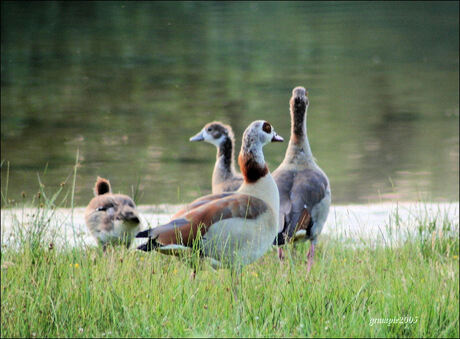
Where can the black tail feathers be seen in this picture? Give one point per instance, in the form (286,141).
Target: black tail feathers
(150,245)
(144,234)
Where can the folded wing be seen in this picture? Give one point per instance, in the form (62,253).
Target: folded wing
(199,202)
(186,225)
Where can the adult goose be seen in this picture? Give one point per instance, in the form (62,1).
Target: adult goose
(224,176)
(233,229)
(305,193)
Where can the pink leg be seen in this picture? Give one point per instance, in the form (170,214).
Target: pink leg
(310,255)
(280,254)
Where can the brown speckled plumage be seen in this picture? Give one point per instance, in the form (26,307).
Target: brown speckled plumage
(251,169)
(111,218)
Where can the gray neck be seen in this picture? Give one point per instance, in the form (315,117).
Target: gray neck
(223,168)
(299,150)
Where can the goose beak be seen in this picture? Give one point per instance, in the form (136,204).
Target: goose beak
(197,137)
(277,138)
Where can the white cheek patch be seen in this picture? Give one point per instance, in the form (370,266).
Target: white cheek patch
(265,138)
(219,141)
(207,137)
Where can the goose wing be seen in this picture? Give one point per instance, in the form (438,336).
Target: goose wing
(308,189)
(184,229)
(199,202)
(299,192)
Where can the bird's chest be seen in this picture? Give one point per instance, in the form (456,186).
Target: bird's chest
(239,240)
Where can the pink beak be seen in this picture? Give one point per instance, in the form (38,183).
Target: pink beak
(277,138)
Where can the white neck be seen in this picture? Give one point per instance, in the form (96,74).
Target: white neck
(265,189)
(255,149)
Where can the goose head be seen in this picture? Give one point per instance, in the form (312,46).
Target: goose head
(258,134)
(298,106)
(215,133)
(111,213)
(251,158)
(300,96)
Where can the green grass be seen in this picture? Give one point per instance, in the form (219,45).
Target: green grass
(83,292)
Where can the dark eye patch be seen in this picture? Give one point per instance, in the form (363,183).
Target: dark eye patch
(104,208)
(216,134)
(267,128)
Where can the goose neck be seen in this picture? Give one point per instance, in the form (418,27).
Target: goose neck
(252,163)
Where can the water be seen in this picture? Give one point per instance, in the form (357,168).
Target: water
(127,84)
(383,224)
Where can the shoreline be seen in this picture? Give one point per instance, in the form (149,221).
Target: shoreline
(386,223)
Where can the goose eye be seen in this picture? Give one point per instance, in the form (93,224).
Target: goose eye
(267,128)
(104,208)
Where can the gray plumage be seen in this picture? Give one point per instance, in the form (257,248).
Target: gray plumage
(304,188)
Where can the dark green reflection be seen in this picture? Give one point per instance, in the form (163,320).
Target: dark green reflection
(128,83)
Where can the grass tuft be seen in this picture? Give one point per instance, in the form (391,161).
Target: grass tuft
(86,293)
(408,290)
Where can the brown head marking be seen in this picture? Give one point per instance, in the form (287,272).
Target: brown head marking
(250,168)
(217,129)
(267,128)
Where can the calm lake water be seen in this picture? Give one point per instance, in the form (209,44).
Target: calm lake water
(127,84)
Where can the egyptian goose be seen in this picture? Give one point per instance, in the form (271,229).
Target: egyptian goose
(224,176)
(233,229)
(111,218)
(305,193)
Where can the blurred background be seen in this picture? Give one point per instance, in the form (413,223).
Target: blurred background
(127,84)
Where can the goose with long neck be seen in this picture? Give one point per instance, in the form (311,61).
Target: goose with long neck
(224,177)
(305,193)
(234,228)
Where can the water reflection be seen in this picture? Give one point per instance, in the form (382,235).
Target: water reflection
(128,83)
